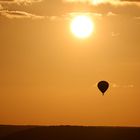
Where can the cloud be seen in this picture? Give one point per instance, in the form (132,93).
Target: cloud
(93,2)
(113,2)
(19,15)
(111,14)
(86,13)
(131,0)
(114,85)
(106,7)
(96,8)
(25,2)
(114,34)
(1,7)
(137,18)
(90,14)
(70,15)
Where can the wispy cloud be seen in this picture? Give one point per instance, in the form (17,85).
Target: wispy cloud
(1,7)
(70,15)
(19,14)
(114,34)
(114,85)
(131,0)
(85,13)
(113,2)
(111,14)
(19,1)
(95,8)
(138,18)
(108,7)
(93,2)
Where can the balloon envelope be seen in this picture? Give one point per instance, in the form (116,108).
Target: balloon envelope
(103,86)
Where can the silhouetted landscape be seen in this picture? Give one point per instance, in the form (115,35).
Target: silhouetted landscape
(68,133)
(69,69)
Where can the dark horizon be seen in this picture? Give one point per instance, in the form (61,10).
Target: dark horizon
(68,132)
(54,53)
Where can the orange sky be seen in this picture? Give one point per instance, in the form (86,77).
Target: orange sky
(48,76)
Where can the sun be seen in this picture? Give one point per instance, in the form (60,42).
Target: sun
(82,26)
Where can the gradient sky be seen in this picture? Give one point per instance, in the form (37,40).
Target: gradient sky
(49,77)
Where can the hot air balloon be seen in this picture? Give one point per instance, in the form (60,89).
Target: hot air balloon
(103,86)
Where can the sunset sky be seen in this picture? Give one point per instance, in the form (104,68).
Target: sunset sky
(48,76)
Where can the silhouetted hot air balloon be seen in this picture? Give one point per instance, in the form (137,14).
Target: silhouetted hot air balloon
(103,86)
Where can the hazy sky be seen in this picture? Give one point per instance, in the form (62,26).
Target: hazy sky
(49,77)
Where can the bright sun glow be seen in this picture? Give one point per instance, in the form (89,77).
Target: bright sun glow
(82,26)
(95,2)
